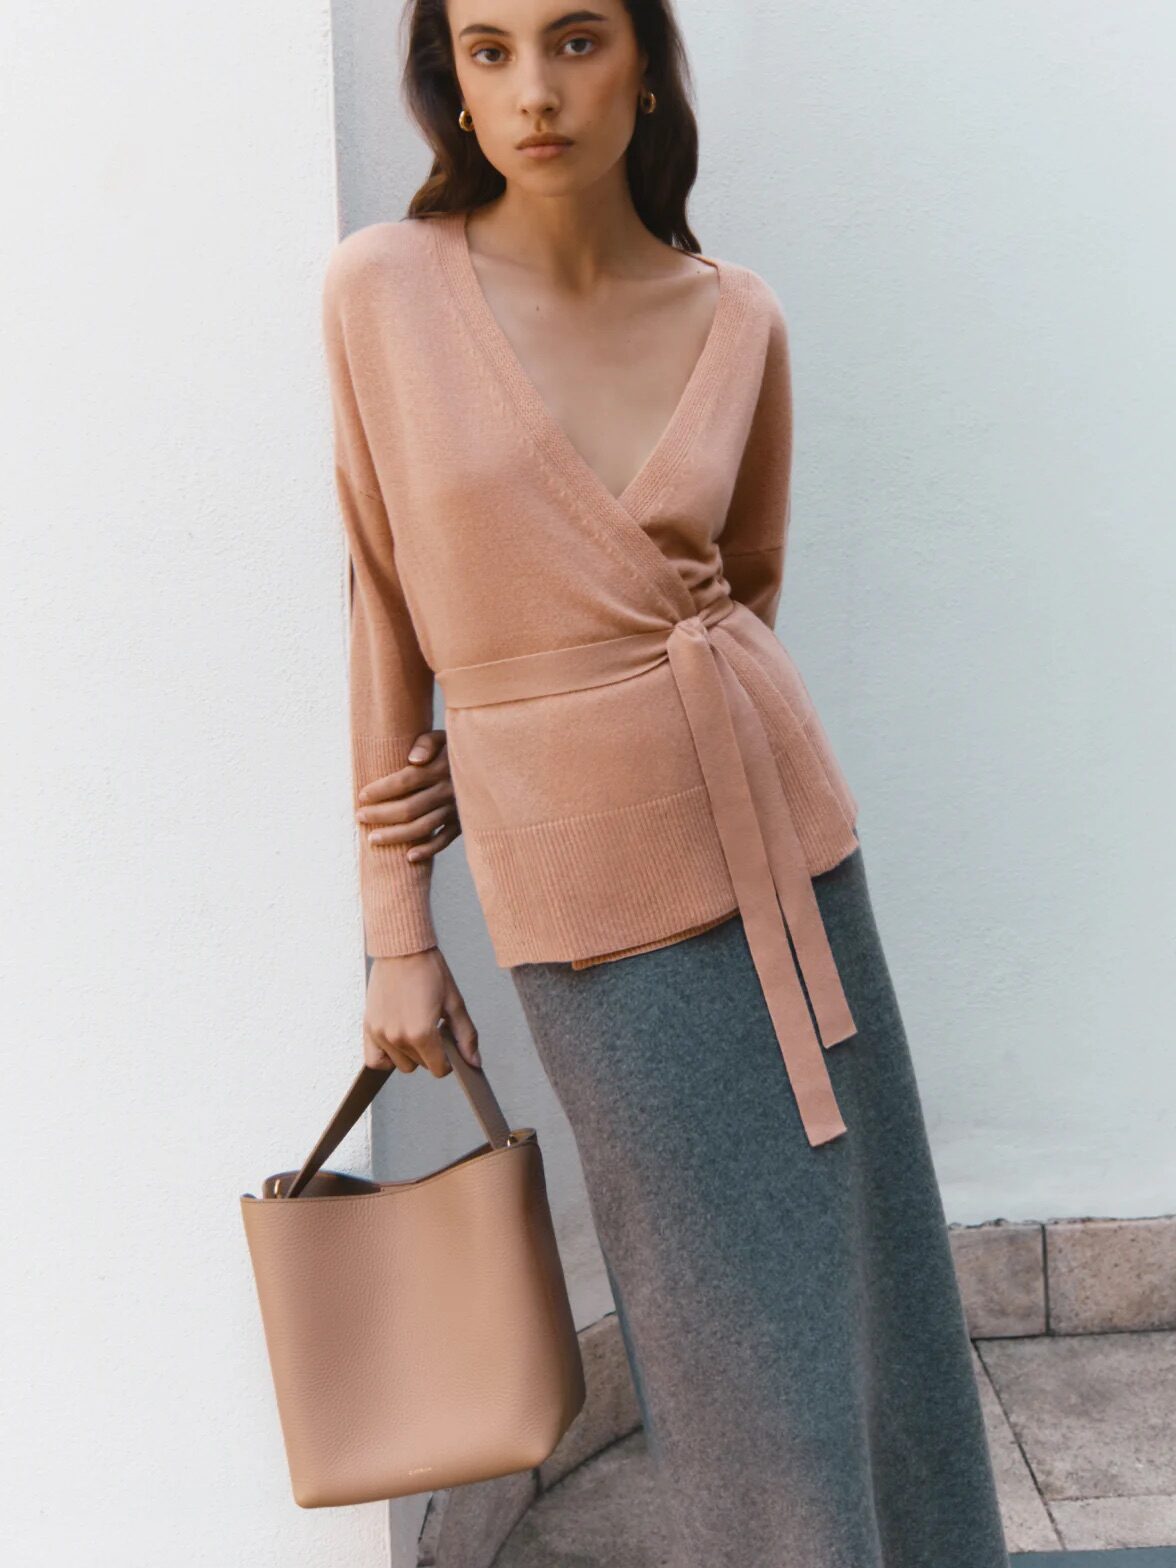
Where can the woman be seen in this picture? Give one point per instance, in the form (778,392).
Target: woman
(563,450)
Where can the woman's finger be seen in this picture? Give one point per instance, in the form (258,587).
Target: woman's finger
(403,807)
(427,745)
(462,1026)
(408,807)
(419,829)
(404,781)
(374,1054)
(429,1049)
(393,786)
(392,1055)
(432,846)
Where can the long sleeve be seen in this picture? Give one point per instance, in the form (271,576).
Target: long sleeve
(390,682)
(755,534)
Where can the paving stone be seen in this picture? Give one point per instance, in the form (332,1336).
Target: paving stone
(1001,1272)
(1027,1524)
(603,1515)
(1100,1523)
(1095,1414)
(1111,1275)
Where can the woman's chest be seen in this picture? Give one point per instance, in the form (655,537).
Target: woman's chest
(473,463)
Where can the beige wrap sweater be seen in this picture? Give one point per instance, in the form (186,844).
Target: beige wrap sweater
(634,754)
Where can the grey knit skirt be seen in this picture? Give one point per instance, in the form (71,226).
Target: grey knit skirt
(791,1314)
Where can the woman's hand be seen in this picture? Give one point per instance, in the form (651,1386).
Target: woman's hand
(406,997)
(415,805)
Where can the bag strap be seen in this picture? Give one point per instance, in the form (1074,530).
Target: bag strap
(368,1083)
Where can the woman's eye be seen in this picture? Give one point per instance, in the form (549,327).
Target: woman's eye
(496,49)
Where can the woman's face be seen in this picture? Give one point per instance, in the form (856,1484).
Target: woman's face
(533,66)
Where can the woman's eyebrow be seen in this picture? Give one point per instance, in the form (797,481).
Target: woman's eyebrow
(568,18)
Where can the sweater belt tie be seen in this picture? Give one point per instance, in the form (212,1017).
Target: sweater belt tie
(757,833)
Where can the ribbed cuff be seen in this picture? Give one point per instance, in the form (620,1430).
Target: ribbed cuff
(395,891)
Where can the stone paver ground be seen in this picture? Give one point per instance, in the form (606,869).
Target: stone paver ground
(1082,1429)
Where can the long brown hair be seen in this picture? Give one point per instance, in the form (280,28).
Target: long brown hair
(661,159)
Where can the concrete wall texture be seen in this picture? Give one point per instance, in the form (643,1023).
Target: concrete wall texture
(963,213)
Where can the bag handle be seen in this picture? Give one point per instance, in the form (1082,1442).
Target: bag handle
(368,1083)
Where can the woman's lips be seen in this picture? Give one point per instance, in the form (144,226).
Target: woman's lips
(546,149)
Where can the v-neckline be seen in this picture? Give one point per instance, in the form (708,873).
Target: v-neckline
(677,434)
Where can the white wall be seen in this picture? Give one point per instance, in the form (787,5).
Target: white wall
(181,965)
(964,212)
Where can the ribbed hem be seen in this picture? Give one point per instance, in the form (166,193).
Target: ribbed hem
(597,883)
(600,883)
(394,890)
(650,947)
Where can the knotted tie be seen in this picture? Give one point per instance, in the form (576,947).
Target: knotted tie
(760,844)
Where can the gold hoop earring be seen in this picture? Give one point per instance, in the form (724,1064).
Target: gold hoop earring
(464,119)
(647,98)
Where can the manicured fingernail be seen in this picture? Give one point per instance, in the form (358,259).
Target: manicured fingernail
(477,1058)
(417,754)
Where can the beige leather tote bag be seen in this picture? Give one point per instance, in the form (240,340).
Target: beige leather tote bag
(419,1332)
